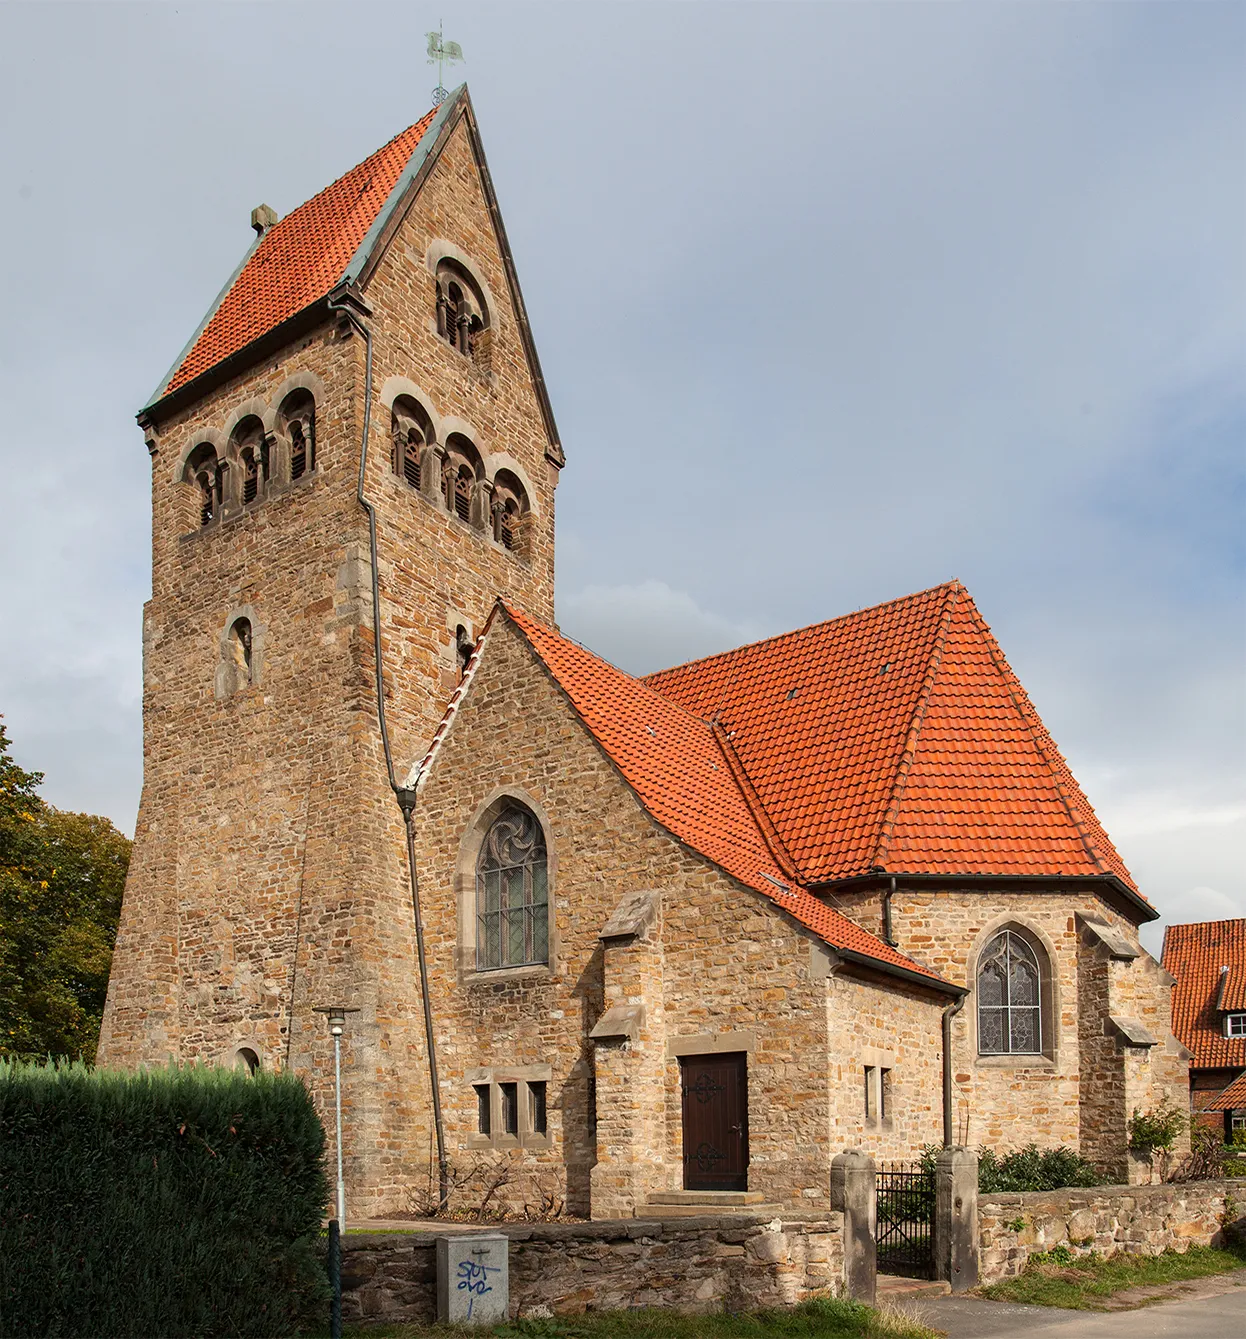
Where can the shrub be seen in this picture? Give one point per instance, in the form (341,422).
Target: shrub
(1031,1169)
(1206,1158)
(1156,1129)
(179,1201)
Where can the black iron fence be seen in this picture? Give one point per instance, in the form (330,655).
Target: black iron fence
(906,1203)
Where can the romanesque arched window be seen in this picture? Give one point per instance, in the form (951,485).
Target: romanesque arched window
(512,893)
(461,477)
(510,508)
(207,475)
(1013,978)
(462,314)
(250,444)
(298,421)
(240,645)
(411,432)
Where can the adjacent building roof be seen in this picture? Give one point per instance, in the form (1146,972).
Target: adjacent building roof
(897,739)
(1232,1098)
(1197,955)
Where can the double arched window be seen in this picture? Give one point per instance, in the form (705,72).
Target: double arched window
(462,313)
(1012,986)
(411,432)
(512,893)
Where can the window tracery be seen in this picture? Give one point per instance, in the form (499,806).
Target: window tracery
(512,893)
(1010,997)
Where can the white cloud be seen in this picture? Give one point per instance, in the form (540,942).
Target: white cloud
(647,626)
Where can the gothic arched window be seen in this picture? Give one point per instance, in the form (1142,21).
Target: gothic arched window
(1011,980)
(512,893)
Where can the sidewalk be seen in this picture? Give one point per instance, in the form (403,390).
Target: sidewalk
(1212,1308)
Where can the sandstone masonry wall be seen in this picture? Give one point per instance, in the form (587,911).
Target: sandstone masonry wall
(693,1265)
(1138,1220)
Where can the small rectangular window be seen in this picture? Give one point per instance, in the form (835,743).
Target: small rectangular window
(869,1092)
(510,1107)
(1235,1025)
(536,1107)
(884,1093)
(484,1118)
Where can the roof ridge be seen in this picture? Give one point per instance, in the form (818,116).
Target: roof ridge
(1029,715)
(886,829)
(808,627)
(770,833)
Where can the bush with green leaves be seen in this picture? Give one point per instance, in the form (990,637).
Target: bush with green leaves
(1156,1130)
(179,1201)
(1030,1168)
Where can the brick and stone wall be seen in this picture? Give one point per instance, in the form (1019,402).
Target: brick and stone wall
(1138,1220)
(691,1265)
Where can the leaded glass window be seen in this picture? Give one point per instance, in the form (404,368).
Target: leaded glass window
(512,894)
(1009,998)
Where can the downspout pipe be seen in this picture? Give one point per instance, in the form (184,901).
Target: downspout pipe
(888,937)
(948,1014)
(404,796)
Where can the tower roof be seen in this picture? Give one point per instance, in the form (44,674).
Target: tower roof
(304,256)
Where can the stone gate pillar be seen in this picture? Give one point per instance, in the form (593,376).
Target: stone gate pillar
(854,1193)
(956,1218)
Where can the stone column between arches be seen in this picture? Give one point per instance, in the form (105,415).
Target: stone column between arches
(630,1060)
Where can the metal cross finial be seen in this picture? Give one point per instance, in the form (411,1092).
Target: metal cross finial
(441,53)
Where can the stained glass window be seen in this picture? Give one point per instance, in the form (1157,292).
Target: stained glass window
(1009,998)
(512,894)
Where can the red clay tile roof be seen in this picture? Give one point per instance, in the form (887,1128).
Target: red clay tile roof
(898,739)
(301,258)
(1233,989)
(1194,954)
(1231,1098)
(677,767)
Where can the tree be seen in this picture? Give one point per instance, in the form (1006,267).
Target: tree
(61,879)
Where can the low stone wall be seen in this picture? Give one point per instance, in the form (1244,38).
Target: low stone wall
(686,1264)
(1141,1220)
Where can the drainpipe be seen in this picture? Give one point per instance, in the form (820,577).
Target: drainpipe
(948,1014)
(888,937)
(405,797)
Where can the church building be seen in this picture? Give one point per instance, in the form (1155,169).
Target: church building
(676,940)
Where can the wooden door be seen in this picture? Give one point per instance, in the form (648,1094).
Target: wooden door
(715,1111)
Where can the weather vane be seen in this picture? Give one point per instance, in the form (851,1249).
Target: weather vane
(440,53)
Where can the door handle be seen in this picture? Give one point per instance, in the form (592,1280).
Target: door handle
(735,1129)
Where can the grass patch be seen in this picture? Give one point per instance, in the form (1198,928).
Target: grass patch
(1085,1283)
(818,1319)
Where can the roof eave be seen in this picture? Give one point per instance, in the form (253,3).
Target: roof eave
(935,983)
(315,313)
(1013,882)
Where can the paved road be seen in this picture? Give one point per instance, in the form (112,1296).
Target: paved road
(1219,1315)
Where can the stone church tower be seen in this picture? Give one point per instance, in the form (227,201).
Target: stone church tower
(382,319)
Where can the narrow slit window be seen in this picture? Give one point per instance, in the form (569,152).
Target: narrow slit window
(510,1107)
(484,1115)
(536,1107)
(884,1094)
(869,1092)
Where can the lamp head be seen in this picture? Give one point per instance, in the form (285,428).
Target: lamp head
(337,1016)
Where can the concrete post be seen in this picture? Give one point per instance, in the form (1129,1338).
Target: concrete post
(854,1194)
(956,1218)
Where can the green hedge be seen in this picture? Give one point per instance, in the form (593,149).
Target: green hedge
(171,1202)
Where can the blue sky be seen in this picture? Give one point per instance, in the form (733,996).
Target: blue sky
(835,301)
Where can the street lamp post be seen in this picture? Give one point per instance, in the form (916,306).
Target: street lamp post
(337,1025)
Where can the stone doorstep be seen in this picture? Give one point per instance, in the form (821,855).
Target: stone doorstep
(707,1197)
(754,1210)
(895,1288)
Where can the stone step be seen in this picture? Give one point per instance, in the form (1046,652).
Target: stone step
(652,1210)
(707,1197)
(895,1287)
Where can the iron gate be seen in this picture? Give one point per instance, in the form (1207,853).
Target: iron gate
(906,1201)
